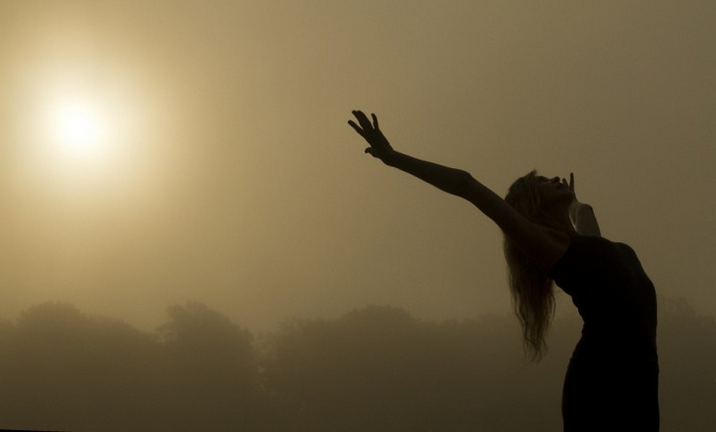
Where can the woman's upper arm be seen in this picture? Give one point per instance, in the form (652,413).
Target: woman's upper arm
(545,245)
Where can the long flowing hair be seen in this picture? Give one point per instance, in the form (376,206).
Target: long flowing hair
(531,287)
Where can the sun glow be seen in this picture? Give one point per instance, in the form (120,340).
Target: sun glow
(84,125)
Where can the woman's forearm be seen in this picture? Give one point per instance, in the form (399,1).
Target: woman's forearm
(451,180)
(585,221)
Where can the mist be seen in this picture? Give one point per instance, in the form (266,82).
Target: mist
(215,167)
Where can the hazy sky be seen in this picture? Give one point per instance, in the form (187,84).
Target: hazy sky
(154,152)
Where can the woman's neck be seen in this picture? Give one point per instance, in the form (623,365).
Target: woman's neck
(558,219)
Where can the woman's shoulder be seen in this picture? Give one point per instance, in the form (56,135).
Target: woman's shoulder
(586,250)
(580,248)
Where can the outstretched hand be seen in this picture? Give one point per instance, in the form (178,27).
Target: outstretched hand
(582,215)
(570,185)
(575,202)
(379,146)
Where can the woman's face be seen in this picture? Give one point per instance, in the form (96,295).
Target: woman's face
(553,191)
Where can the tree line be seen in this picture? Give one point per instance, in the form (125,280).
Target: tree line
(373,369)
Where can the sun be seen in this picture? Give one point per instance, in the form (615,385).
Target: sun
(77,127)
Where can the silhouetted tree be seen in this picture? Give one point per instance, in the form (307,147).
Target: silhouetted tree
(66,370)
(687,357)
(374,369)
(62,369)
(213,381)
(379,369)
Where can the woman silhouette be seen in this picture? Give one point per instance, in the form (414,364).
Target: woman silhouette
(612,379)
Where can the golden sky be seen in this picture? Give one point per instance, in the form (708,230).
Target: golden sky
(154,152)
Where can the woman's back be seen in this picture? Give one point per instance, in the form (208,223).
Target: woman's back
(612,379)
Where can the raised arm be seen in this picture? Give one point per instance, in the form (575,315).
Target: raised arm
(545,245)
(582,215)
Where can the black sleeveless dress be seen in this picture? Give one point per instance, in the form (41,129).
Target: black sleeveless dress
(612,378)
